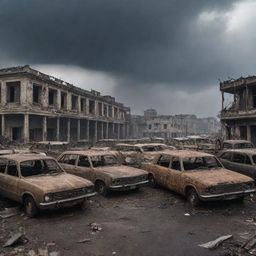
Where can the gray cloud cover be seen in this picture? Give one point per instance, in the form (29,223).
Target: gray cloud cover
(177,46)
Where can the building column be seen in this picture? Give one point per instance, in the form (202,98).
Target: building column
(102,130)
(44,128)
(78,129)
(58,128)
(3,125)
(68,130)
(87,129)
(113,131)
(106,130)
(26,128)
(96,131)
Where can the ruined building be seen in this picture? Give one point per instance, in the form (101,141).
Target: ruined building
(169,126)
(38,107)
(239,115)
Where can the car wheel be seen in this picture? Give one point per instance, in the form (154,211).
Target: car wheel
(193,197)
(31,209)
(101,188)
(152,181)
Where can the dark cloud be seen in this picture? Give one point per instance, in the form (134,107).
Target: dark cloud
(148,41)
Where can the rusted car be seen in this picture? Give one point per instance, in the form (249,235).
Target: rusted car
(134,155)
(197,175)
(38,182)
(236,144)
(240,160)
(103,169)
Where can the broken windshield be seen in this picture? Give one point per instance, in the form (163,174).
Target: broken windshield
(104,160)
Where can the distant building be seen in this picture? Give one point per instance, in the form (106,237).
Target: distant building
(239,115)
(38,107)
(170,126)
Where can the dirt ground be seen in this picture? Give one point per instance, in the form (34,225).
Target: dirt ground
(146,222)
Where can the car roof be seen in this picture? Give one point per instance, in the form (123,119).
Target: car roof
(25,157)
(149,144)
(125,145)
(236,141)
(90,152)
(185,153)
(251,151)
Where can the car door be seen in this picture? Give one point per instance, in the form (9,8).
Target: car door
(11,181)
(175,181)
(242,163)
(68,162)
(161,170)
(226,159)
(3,165)
(84,169)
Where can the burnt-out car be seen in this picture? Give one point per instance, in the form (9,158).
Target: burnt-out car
(103,169)
(39,182)
(198,176)
(240,160)
(135,155)
(236,144)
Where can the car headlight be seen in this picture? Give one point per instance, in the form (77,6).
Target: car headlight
(116,181)
(210,190)
(47,198)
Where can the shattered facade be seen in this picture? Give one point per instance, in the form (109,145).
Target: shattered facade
(170,126)
(38,107)
(239,115)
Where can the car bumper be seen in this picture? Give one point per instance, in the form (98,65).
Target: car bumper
(129,186)
(65,202)
(227,196)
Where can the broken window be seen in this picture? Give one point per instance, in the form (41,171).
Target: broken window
(91,106)
(165,126)
(12,168)
(37,89)
(52,97)
(105,110)
(254,97)
(110,111)
(100,108)
(115,113)
(83,105)
(13,92)
(74,102)
(63,100)
(149,126)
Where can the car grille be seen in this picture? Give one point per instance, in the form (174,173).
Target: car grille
(232,187)
(130,180)
(69,194)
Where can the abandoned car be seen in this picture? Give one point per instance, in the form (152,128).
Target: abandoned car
(240,160)
(38,182)
(236,144)
(103,169)
(134,155)
(198,176)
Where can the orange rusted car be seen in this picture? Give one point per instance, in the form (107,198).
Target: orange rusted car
(103,169)
(198,176)
(39,182)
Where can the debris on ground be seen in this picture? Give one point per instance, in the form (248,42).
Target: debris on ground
(9,212)
(95,227)
(85,240)
(13,239)
(215,243)
(250,244)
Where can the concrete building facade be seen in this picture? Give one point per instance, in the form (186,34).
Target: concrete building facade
(238,116)
(38,107)
(171,126)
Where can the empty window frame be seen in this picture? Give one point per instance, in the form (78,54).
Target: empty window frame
(13,92)
(63,100)
(83,105)
(110,111)
(52,97)
(91,106)
(100,109)
(37,91)
(74,102)
(105,110)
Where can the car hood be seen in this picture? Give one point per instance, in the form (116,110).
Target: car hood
(120,171)
(60,182)
(216,177)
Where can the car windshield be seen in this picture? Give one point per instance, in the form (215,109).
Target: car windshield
(104,160)
(202,163)
(243,145)
(153,148)
(39,167)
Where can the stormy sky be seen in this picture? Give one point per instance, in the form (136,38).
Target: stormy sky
(162,54)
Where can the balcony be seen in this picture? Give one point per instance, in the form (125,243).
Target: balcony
(229,114)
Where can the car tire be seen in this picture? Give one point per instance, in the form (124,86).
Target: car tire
(151,180)
(30,207)
(101,188)
(193,197)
